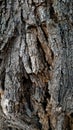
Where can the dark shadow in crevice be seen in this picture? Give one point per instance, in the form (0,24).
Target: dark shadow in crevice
(39,125)
(52,12)
(71,115)
(1,3)
(49,124)
(9,128)
(3,73)
(26,85)
(0,61)
(46,96)
(53,15)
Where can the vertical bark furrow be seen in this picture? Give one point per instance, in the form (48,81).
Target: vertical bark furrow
(36,62)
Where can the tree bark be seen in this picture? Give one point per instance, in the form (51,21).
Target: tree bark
(36,64)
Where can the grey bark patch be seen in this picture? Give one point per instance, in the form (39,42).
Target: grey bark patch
(36,64)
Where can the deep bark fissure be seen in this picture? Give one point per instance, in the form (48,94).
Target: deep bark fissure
(46,97)
(36,64)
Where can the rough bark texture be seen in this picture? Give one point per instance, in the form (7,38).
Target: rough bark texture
(36,64)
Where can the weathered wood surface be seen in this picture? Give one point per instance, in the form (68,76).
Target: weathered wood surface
(36,64)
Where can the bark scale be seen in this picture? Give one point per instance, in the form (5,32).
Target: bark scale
(36,66)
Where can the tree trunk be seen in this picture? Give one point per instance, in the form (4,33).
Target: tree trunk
(36,67)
